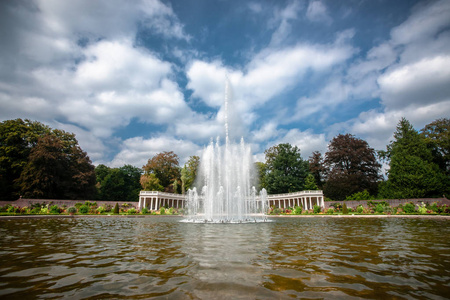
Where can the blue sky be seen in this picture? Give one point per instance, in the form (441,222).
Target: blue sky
(132,79)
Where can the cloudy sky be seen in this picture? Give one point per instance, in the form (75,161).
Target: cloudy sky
(135,78)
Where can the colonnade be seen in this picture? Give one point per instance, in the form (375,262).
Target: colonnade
(287,200)
(154,200)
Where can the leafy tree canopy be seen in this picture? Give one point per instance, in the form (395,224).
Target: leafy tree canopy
(166,168)
(286,170)
(351,166)
(37,161)
(412,171)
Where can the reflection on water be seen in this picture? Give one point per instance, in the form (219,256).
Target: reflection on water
(159,257)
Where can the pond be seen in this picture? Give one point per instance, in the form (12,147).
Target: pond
(159,257)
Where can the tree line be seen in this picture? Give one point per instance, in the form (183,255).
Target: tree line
(39,162)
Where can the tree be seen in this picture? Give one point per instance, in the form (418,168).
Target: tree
(131,175)
(17,138)
(316,167)
(191,166)
(165,167)
(57,168)
(412,172)
(118,184)
(261,172)
(351,166)
(310,184)
(149,182)
(286,170)
(437,138)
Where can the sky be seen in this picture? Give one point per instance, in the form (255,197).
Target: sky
(135,78)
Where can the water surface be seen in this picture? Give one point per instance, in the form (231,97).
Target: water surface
(159,257)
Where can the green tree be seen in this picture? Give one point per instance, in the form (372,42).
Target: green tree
(131,175)
(192,166)
(113,187)
(351,166)
(17,138)
(437,138)
(58,168)
(412,172)
(316,168)
(184,174)
(149,182)
(165,167)
(286,170)
(310,183)
(261,172)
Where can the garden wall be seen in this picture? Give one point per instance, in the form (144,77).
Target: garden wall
(392,202)
(28,202)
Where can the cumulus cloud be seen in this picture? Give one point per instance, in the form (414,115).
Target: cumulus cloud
(421,83)
(307,141)
(137,151)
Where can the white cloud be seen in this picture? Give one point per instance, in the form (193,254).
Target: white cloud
(420,83)
(284,18)
(427,20)
(317,11)
(307,141)
(137,151)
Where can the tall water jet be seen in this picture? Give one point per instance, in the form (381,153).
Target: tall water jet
(225,178)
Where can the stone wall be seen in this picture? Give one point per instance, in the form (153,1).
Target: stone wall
(392,202)
(68,203)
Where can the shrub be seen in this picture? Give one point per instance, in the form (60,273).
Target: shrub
(298,210)
(131,211)
(44,210)
(379,208)
(345,209)
(434,207)
(11,209)
(35,210)
(317,209)
(364,195)
(330,211)
(422,209)
(108,207)
(78,205)
(409,208)
(144,211)
(116,209)
(171,211)
(276,211)
(54,209)
(162,211)
(72,210)
(360,209)
(100,209)
(84,209)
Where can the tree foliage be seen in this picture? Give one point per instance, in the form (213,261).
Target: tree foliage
(286,170)
(261,172)
(316,168)
(36,161)
(165,167)
(437,138)
(412,171)
(351,166)
(118,184)
(191,167)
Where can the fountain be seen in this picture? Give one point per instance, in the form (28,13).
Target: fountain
(227,194)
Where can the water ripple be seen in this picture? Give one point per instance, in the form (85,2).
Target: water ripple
(140,258)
